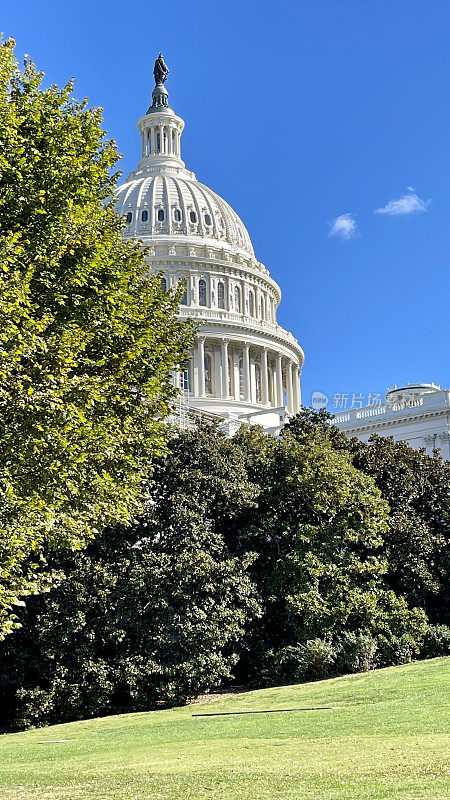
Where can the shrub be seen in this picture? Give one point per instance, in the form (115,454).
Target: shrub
(356,652)
(436,642)
(296,663)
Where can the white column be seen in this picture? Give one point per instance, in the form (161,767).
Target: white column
(264,377)
(201,366)
(297,390)
(279,387)
(246,365)
(225,377)
(236,381)
(289,389)
(217,373)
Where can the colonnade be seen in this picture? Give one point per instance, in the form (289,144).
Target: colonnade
(253,374)
(161,139)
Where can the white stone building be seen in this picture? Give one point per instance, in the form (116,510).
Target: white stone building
(418,413)
(244,366)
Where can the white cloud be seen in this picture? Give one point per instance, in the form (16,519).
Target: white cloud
(344,226)
(408,204)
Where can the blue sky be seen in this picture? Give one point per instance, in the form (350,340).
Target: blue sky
(308,117)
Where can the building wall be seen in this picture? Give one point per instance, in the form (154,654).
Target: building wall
(417,416)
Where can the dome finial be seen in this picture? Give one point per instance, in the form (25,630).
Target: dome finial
(160,70)
(159,94)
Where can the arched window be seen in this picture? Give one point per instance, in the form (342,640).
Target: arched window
(258,382)
(177,215)
(241,379)
(158,142)
(144,215)
(193,216)
(207,219)
(164,284)
(237,299)
(160,215)
(221,295)
(184,298)
(129,217)
(208,374)
(251,304)
(202,292)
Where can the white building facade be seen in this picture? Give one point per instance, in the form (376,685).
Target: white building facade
(418,414)
(243,366)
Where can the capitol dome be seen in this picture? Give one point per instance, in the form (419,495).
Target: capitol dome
(190,210)
(244,366)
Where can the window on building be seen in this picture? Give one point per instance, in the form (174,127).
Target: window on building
(202,292)
(177,215)
(164,284)
(158,142)
(237,298)
(184,298)
(221,295)
(208,374)
(208,219)
(129,217)
(193,216)
(185,378)
(144,215)
(160,215)
(251,304)
(258,382)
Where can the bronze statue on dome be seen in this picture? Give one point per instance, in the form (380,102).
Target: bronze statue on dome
(160,70)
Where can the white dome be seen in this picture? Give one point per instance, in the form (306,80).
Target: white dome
(243,365)
(184,207)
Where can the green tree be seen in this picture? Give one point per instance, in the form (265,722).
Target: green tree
(87,337)
(416,545)
(147,615)
(318,530)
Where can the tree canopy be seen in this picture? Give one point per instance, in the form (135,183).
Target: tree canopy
(87,337)
(257,559)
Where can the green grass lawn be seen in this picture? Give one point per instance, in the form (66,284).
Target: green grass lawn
(386,736)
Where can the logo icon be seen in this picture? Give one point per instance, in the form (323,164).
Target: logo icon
(319,400)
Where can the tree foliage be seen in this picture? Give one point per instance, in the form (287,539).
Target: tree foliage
(147,615)
(272,560)
(87,338)
(416,544)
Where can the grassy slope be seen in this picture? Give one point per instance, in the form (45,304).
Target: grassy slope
(387,737)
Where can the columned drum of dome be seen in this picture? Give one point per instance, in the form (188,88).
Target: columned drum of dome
(243,364)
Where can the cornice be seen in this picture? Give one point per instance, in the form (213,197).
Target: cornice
(393,421)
